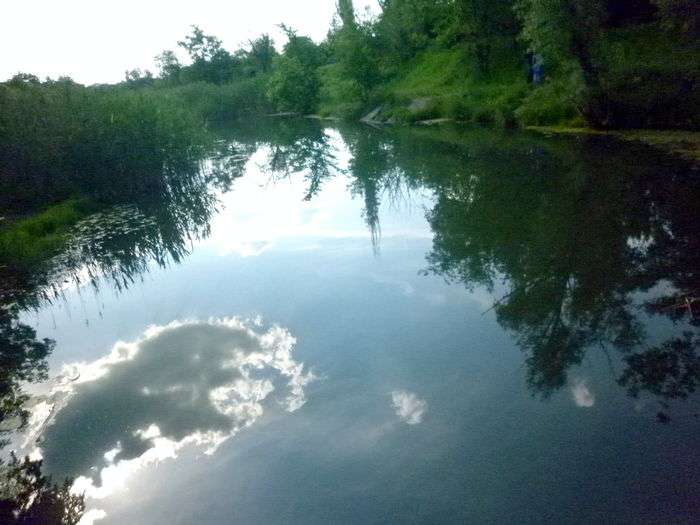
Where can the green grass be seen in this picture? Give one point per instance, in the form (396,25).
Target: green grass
(433,73)
(339,96)
(33,239)
(221,102)
(59,141)
(649,78)
(456,91)
(555,102)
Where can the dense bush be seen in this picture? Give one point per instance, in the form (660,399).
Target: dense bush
(60,139)
(39,236)
(339,95)
(225,101)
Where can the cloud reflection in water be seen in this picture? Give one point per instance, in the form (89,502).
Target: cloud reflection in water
(408,406)
(583,397)
(187,383)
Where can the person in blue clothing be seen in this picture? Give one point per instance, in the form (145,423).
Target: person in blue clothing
(537,69)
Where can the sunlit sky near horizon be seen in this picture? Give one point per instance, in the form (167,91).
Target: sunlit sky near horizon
(95,41)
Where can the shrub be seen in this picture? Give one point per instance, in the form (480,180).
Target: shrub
(339,96)
(60,140)
(555,102)
(32,239)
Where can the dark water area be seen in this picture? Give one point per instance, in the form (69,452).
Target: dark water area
(310,323)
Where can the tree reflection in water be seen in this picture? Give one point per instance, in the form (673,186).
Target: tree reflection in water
(578,236)
(591,239)
(156,221)
(29,497)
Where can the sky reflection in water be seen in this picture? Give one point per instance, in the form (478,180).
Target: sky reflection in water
(429,402)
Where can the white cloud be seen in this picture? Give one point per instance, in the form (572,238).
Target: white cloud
(408,406)
(581,394)
(404,287)
(265,210)
(185,384)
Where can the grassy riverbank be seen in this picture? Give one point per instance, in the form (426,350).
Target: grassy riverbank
(32,239)
(647,79)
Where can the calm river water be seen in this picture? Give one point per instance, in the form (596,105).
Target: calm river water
(356,325)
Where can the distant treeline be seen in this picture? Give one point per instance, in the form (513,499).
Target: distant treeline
(604,63)
(633,63)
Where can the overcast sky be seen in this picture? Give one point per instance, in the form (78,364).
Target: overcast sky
(97,40)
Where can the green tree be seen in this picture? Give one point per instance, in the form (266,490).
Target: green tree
(262,54)
(20,79)
(138,78)
(353,47)
(200,46)
(482,25)
(565,33)
(294,85)
(346,13)
(406,27)
(168,65)
(210,61)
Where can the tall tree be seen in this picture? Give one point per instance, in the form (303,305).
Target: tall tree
(346,13)
(482,24)
(355,51)
(262,53)
(294,85)
(566,32)
(168,65)
(199,45)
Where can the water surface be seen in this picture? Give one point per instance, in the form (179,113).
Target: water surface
(345,324)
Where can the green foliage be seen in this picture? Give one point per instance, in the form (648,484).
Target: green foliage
(481,25)
(261,54)
(199,46)
(555,102)
(135,78)
(226,101)
(339,96)
(346,13)
(348,83)
(495,103)
(637,66)
(169,66)
(651,78)
(210,61)
(294,84)
(407,27)
(66,138)
(356,57)
(302,48)
(33,239)
(21,79)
